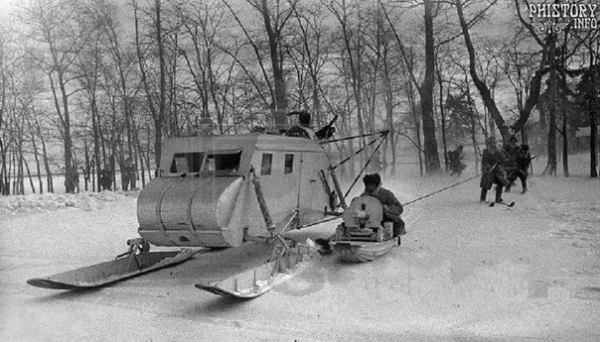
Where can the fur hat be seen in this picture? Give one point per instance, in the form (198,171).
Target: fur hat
(304,118)
(372,178)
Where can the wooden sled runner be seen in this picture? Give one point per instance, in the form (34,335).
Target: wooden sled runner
(362,251)
(362,237)
(112,271)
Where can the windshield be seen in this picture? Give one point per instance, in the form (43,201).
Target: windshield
(187,162)
(226,162)
(194,162)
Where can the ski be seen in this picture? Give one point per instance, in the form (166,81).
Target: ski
(503,203)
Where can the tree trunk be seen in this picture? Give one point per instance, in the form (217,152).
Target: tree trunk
(551,166)
(389,110)
(414,110)
(3,170)
(157,115)
(432,162)
(35,154)
(159,119)
(96,133)
(280,100)
(443,116)
(483,89)
(29,176)
(593,144)
(49,181)
(593,118)
(564,132)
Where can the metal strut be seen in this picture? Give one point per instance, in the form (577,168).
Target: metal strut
(338,188)
(261,202)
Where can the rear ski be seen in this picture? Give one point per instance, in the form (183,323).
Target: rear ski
(284,263)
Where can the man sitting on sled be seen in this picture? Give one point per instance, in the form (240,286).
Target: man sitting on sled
(392,209)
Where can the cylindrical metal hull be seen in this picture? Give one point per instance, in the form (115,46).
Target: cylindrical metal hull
(189,211)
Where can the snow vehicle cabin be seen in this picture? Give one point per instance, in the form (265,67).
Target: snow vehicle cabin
(204,194)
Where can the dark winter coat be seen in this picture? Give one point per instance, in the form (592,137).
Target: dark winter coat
(523,161)
(391,205)
(492,167)
(455,161)
(511,155)
(511,166)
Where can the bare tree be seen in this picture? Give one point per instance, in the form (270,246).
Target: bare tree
(4,65)
(425,88)
(156,96)
(275,15)
(206,63)
(309,48)
(483,88)
(56,26)
(352,52)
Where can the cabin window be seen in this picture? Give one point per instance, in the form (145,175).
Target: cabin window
(265,165)
(222,162)
(186,162)
(289,164)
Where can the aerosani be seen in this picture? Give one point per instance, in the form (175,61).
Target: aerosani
(582,16)
(239,191)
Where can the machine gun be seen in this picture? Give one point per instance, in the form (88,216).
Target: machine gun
(327,131)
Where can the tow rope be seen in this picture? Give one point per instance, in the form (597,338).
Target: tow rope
(440,190)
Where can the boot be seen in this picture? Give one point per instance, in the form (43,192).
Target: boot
(524,185)
(399,228)
(499,193)
(483,195)
(325,247)
(323,243)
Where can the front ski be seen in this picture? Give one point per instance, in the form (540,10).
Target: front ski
(511,204)
(112,271)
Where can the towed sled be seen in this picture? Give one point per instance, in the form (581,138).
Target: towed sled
(362,237)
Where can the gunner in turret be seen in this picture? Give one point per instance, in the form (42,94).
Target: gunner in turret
(304,128)
(304,124)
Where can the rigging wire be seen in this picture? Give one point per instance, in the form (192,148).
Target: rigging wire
(382,137)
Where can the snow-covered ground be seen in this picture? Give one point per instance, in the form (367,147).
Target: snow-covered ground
(464,272)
